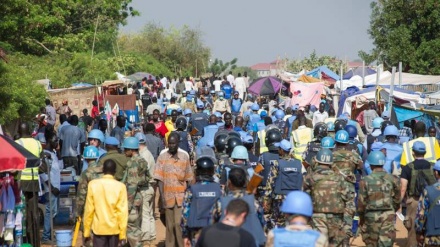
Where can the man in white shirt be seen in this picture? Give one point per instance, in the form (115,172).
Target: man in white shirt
(240,86)
(369,115)
(320,115)
(230,78)
(173,84)
(188,84)
(168,92)
(217,84)
(163,81)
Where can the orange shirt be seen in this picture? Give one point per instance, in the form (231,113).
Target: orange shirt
(174,171)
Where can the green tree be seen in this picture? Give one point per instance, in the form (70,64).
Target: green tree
(406,31)
(41,27)
(314,61)
(241,69)
(181,50)
(218,67)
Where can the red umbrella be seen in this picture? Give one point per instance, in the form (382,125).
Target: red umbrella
(15,157)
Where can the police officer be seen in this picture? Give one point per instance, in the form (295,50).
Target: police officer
(197,123)
(429,212)
(189,103)
(221,105)
(394,149)
(356,145)
(333,201)
(346,161)
(383,125)
(319,132)
(268,158)
(185,142)
(279,122)
(239,158)
(298,210)
(377,122)
(236,103)
(285,176)
(198,200)
(95,138)
(301,137)
(378,200)
(136,178)
(254,117)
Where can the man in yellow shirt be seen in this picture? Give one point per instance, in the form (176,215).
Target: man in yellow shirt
(432,146)
(106,211)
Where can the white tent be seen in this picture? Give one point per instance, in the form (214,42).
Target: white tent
(385,79)
(370,94)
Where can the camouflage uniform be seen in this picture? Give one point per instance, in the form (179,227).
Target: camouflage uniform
(94,171)
(308,156)
(136,177)
(333,204)
(379,199)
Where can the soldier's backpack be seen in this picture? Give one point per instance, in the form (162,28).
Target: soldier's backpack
(419,180)
(326,195)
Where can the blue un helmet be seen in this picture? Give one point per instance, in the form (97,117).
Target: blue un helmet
(330,126)
(263,114)
(279,114)
(91,152)
(377,122)
(255,107)
(352,131)
(169,111)
(391,130)
(298,202)
(240,153)
(131,143)
(187,111)
(96,134)
(324,156)
(327,142)
(376,158)
(141,137)
(342,136)
(437,166)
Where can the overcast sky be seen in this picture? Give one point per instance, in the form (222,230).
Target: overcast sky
(257,31)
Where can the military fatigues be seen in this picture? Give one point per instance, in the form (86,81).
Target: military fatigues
(378,200)
(94,171)
(274,194)
(119,159)
(428,214)
(136,177)
(333,204)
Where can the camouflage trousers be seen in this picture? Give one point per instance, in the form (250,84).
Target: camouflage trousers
(331,225)
(134,232)
(275,218)
(378,229)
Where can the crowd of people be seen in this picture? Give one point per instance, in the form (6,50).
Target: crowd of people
(232,169)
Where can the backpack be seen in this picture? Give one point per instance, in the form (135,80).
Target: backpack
(419,180)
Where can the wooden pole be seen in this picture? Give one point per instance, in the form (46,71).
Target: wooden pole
(340,77)
(363,73)
(390,99)
(400,74)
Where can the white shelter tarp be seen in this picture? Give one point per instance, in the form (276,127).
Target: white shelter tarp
(370,95)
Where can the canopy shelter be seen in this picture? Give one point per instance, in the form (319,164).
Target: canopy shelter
(323,72)
(306,93)
(14,157)
(358,71)
(265,86)
(305,78)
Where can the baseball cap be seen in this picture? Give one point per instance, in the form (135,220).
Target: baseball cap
(285,145)
(111,141)
(248,139)
(377,146)
(419,147)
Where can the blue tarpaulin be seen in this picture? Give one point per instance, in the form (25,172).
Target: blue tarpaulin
(358,71)
(323,69)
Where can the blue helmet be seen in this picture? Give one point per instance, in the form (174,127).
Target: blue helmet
(376,158)
(221,94)
(437,166)
(330,126)
(327,142)
(298,202)
(131,143)
(324,156)
(169,111)
(377,122)
(91,152)
(352,131)
(141,137)
(255,107)
(263,114)
(342,136)
(391,130)
(96,134)
(279,114)
(240,153)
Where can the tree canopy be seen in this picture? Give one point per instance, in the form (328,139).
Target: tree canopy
(313,61)
(406,31)
(218,67)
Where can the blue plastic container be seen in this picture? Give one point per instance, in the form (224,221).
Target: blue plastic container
(64,238)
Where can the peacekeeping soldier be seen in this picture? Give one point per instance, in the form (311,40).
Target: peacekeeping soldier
(279,122)
(332,200)
(267,159)
(298,210)
(356,145)
(198,200)
(185,142)
(284,176)
(240,159)
(136,178)
(254,117)
(313,147)
(331,129)
(377,122)
(394,149)
(378,201)
(93,171)
(111,144)
(197,122)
